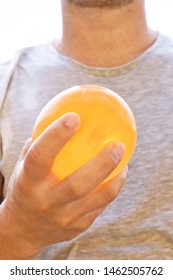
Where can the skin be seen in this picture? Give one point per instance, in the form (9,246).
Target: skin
(39,208)
(104,37)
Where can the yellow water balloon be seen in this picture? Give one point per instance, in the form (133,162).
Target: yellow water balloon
(105,118)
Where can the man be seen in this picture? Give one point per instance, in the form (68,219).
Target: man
(106,43)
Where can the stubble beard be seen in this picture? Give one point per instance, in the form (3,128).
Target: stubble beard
(101,3)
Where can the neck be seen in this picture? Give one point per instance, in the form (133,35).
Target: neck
(104,37)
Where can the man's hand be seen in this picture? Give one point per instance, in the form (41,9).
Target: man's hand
(39,208)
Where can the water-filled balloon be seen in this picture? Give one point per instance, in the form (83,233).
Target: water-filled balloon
(105,118)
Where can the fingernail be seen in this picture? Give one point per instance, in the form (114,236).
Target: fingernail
(118,151)
(72,120)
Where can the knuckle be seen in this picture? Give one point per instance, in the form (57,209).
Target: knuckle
(83,226)
(44,209)
(113,158)
(54,130)
(73,188)
(44,204)
(88,220)
(35,157)
(64,223)
(108,163)
(110,194)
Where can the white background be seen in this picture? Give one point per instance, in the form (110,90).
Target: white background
(31,22)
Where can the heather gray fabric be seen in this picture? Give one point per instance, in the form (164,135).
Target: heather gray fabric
(139,224)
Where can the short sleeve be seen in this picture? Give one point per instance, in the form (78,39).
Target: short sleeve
(3,82)
(6,74)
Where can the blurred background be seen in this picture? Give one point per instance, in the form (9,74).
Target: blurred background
(33,22)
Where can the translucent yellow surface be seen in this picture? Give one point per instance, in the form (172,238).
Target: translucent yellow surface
(105,118)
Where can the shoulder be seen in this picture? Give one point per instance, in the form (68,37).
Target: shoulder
(28,59)
(6,72)
(35,54)
(159,57)
(166,44)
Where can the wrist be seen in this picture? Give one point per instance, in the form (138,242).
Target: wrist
(14,243)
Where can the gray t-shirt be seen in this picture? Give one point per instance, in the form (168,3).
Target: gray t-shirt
(139,223)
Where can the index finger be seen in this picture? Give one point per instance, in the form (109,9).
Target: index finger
(41,154)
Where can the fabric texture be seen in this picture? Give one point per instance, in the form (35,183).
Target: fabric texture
(139,223)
